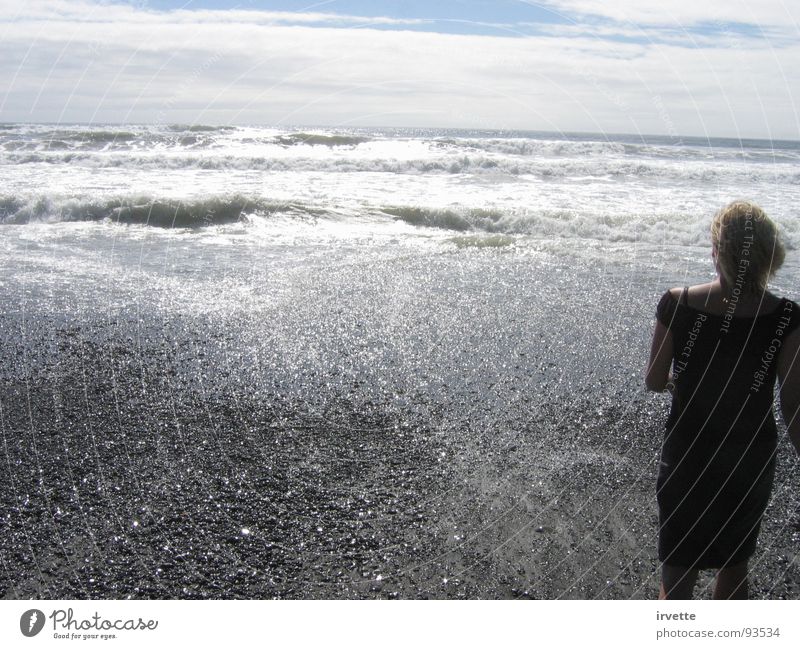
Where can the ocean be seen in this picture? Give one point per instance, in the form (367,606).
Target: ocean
(346,362)
(272,182)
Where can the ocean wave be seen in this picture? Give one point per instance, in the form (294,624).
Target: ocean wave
(312,139)
(530,147)
(463,226)
(515,154)
(89,136)
(448,219)
(473,164)
(175,139)
(158,212)
(551,148)
(679,228)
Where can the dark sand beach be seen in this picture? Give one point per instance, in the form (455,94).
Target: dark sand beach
(461,425)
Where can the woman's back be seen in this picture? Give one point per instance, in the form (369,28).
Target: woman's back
(724,365)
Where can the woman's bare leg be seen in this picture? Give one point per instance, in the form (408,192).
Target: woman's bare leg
(677,582)
(732,582)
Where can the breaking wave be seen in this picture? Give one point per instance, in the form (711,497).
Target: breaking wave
(312,139)
(679,228)
(463,226)
(158,212)
(473,164)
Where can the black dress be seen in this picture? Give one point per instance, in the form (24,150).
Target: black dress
(718,458)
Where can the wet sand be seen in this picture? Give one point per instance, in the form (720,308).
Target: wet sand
(493,447)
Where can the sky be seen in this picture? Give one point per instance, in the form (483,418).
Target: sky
(725,68)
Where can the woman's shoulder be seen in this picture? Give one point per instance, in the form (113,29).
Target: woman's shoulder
(679,300)
(678,295)
(668,306)
(676,292)
(781,307)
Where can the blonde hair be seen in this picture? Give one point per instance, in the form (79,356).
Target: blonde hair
(748,246)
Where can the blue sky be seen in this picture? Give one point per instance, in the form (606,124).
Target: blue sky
(499,17)
(510,18)
(716,67)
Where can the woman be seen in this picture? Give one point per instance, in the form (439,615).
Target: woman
(718,348)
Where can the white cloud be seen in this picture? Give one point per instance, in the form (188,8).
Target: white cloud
(686,13)
(78,61)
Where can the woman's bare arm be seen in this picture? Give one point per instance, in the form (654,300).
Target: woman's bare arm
(657,374)
(789,377)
